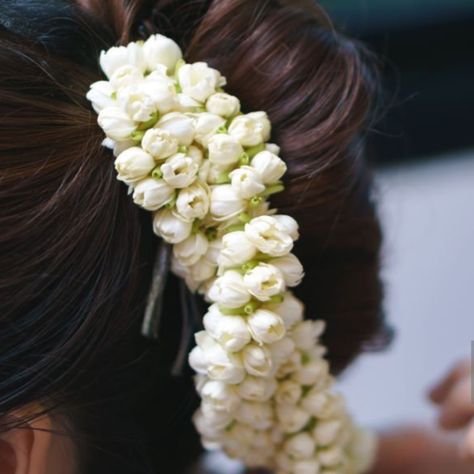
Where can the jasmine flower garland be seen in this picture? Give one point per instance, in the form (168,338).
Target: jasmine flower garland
(206,171)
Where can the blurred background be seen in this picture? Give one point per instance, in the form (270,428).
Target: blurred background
(423,154)
(423,151)
(426,48)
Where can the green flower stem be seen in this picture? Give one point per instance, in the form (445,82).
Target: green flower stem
(244,159)
(149,123)
(157,173)
(234,228)
(277,299)
(244,217)
(247,309)
(273,189)
(255,201)
(137,135)
(250,265)
(211,234)
(196,226)
(223,178)
(252,151)
(170,204)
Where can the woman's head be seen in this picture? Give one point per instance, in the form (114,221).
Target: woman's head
(76,254)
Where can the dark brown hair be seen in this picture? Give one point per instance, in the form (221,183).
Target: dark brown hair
(76,254)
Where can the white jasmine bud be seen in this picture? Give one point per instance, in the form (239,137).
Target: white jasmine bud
(246,182)
(306,333)
(224,150)
(100,95)
(160,50)
(236,249)
(273,148)
(124,76)
(290,225)
(193,202)
(282,350)
(152,194)
(264,281)
(223,104)
(179,170)
(116,123)
(251,129)
(326,431)
(316,402)
(189,251)
(230,331)
(311,372)
(179,126)
(206,125)
(291,309)
(330,456)
(220,395)
(291,269)
(257,360)
(225,203)
(269,236)
(229,290)
(133,165)
(258,415)
(288,392)
(257,389)
(269,166)
(159,143)
(292,418)
(118,56)
(221,365)
(170,227)
(265,326)
(300,446)
(199,81)
(306,466)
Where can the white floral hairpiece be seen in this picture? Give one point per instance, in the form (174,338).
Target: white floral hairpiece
(206,171)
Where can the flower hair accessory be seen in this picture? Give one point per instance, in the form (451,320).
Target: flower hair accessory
(206,170)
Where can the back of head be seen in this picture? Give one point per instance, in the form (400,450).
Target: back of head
(76,255)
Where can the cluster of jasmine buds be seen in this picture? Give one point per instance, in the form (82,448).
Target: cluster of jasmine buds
(206,171)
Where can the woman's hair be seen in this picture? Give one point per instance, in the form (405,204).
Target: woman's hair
(76,253)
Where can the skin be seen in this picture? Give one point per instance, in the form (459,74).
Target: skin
(454,399)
